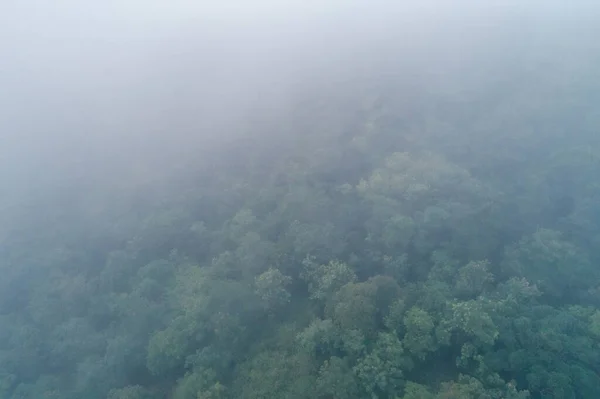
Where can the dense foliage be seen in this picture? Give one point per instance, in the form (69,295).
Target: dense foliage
(409,241)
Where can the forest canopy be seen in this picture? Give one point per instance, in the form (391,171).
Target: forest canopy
(402,228)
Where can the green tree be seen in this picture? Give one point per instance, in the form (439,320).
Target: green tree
(557,267)
(419,333)
(271,288)
(381,372)
(473,279)
(324,280)
(416,391)
(336,380)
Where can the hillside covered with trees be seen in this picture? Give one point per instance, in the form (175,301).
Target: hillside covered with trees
(435,236)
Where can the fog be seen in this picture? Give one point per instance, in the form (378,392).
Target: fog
(299,199)
(80,77)
(129,88)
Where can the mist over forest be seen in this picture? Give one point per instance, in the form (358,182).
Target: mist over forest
(331,200)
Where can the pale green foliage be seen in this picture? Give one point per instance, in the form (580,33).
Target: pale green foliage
(433,296)
(416,180)
(271,288)
(216,391)
(324,280)
(511,392)
(419,329)
(192,285)
(398,232)
(353,342)
(241,223)
(396,266)
(395,317)
(472,318)
(319,337)
(322,338)
(354,306)
(336,380)
(319,240)
(553,264)
(417,391)
(160,227)
(197,384)
(168,348)
(252,254)
(116,275)
(381,371)
(473,279)
(558,384)
(467,352)
(412,178)
(362,306)
(444,268)
(408,207)
(465,388)
(519,290)
(276,374)
(387,291)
